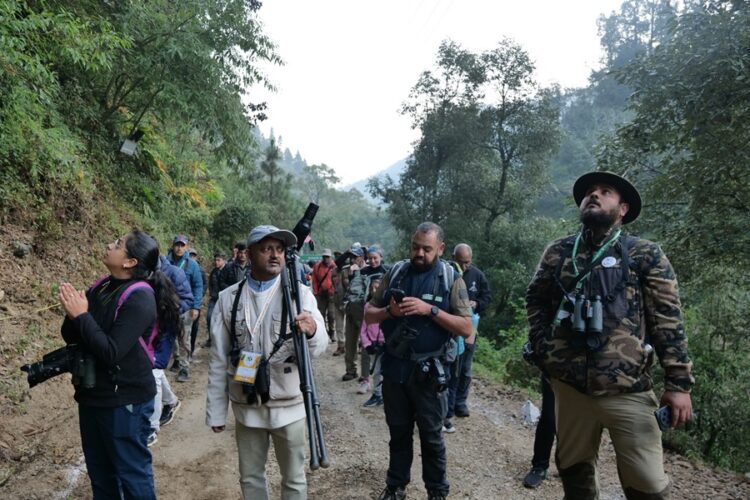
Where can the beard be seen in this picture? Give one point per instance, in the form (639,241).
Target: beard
(599,220)
(423,265)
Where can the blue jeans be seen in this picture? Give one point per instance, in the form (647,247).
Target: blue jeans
(114,445)
(463,377)
(458,385)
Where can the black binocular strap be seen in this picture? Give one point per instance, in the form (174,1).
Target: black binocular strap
(625,245)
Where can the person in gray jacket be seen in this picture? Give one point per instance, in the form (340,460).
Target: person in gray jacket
(239,354)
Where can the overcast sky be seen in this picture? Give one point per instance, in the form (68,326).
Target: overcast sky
(349,65)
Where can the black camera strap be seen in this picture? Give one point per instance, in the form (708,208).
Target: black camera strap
(233,320)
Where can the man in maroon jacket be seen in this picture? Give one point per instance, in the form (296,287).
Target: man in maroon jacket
(323,289)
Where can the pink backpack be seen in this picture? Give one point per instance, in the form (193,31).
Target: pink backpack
(147,346)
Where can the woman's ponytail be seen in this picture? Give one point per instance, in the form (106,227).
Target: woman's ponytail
(145,250)
(167,303)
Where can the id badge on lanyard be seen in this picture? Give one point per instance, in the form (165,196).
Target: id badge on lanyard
(247,368)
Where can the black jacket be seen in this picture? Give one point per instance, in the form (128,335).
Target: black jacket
(214,282)
(478,288)
(123,368)
(232,273)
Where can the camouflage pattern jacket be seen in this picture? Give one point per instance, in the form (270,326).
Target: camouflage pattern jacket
(641,316)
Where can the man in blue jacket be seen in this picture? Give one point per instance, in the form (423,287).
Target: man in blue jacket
(166,402)
(179,257)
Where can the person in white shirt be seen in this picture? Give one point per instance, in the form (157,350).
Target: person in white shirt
(274,410)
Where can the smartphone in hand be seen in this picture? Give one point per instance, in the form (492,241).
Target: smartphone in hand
(664,418)
(398,294)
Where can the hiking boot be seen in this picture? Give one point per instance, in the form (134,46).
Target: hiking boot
(374,400)
(364,387)
(339,351)
(349,376)
(462,412)
(436,495)
(152,439)
(393,493)
(175,366)
(168,412)
(183,375)
(448,427)
(535,477)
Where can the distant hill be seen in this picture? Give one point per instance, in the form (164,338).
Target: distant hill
(394,171)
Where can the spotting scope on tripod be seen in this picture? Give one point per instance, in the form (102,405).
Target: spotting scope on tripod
(291,291)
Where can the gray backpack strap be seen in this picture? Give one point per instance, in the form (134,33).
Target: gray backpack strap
(397,273)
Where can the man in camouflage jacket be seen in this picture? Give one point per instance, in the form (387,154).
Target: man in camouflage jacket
(602,379)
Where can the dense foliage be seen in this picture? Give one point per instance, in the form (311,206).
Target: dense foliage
(687,144)
(77,78)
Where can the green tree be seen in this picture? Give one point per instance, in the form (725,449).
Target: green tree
(686,145)
(487,134)
(316,180)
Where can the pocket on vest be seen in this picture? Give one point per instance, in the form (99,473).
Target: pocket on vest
(284,381)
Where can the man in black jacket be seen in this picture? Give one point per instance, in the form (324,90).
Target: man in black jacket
(235,271)
(479,299)
(214,280)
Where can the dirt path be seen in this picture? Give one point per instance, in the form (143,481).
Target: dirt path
(487,457)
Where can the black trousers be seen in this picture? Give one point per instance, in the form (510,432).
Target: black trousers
(194,332)
(407,404)
(545,428)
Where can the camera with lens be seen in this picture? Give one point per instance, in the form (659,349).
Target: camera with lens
(71,358)
(430,371)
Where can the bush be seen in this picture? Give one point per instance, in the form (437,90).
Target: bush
(503,362)
(721,431)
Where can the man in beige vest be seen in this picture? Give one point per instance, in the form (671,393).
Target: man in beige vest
(279,413)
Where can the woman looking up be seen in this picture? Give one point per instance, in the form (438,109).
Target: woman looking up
(114,324)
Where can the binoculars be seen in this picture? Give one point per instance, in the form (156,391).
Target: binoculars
(588,319)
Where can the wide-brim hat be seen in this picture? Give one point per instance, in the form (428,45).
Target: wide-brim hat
(628,193)
(259,233)
(327,253)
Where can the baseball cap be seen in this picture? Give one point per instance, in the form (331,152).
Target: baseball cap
(180,238)
(374,249)
(260,232)
(357,251)
(193,251)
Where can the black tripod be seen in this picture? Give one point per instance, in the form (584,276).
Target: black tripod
(292,299)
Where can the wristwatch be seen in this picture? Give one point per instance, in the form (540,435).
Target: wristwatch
(434,311)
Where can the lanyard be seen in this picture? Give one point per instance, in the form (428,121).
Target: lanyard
(263,311)
(598,254)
